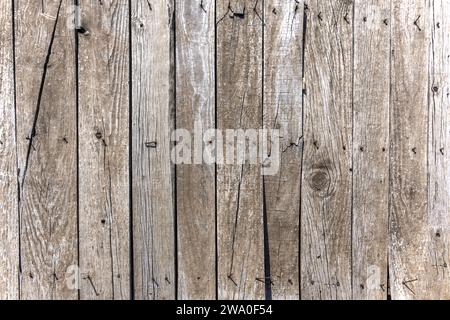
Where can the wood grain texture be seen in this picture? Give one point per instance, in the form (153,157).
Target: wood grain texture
(9,211)
(239,186)
(359,208)
(104,150)
(195,111)
(283,84)
(326,179)
(153,174)
(46,142)
(439,146)
(371,89)
(412,274)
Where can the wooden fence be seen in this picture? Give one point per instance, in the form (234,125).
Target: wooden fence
(92,207)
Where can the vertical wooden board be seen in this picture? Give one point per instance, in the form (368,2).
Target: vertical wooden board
(326,178)
(46,142)
(103,150)
(239,187)
(371,89)
(9,215)
(412,274)
(195,112)
(439,146)
(283,84)
(152,119)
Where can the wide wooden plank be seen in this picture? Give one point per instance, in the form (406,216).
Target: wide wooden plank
(439,146)
(195,112)
(9,212)
(46,144)
(239,186)
(371,149)
(153,174)
(412,240)
(104,211)
(327,178)
(283,83)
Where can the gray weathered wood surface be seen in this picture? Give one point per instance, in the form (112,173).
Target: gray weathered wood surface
(438,147)
(9,212)
(370,201)
(283,81)
(326,222)
(103,125)
(92,205)
(410,256)
(196,216)
(47,148)
(240,246)
(152,123)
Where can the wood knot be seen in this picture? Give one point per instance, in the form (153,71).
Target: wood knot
(319,181)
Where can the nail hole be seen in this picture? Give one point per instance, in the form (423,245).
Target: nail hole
(151,144)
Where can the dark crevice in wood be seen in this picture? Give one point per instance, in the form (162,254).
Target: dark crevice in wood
(77,103)
(236,220)
(267,273)
(260,18)
(296,9)
(215,162)
(305,26)
(110,225)
(353,143)
(173,119)
(41,91)
(19,219)
(388,285)
(266,240)
(226,13)
(130,144)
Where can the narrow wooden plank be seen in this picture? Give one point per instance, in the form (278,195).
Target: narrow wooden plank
(239,186)
(9,214)
(283,83)
(411,258)
(103,150)
(371,89)
(195,112)
(326,179)
(46,142)
(439,146)
(153,104)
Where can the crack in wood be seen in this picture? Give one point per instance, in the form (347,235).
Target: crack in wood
(41,91)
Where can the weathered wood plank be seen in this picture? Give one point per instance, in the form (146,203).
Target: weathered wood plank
(9,211)
(414,273)
(195,112)
(283,83)
(46,142)
(326,179)
(152,119)
(104,150)
(371,149)
(239,186)
(439,146)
